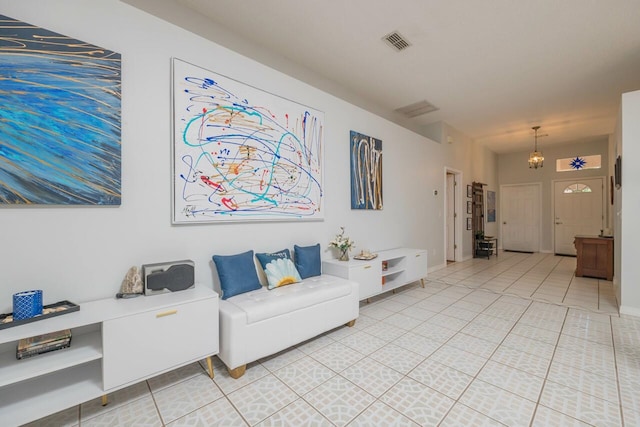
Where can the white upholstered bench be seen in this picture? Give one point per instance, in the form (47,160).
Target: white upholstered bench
(262,322)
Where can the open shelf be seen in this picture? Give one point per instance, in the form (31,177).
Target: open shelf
(84,348)
(37,397)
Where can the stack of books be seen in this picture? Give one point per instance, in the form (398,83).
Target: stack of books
(28,347)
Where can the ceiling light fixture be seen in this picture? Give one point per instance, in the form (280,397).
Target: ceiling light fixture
(536,159)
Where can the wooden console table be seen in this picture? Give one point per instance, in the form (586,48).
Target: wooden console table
(594,257)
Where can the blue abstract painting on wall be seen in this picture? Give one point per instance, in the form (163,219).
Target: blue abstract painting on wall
(60,119)
(366,172)
(241,153)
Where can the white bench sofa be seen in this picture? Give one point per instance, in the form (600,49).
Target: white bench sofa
(262,322)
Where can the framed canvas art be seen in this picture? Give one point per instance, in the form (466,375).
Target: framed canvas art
(366,171)
(242,154)
(60,115)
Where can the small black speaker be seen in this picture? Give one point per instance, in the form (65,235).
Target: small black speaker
(168,276)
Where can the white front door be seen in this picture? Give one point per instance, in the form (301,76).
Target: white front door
(520,214)
(578,210)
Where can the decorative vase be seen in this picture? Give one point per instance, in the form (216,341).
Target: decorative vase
(344,254)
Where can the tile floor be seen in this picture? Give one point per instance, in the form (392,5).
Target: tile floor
(515,340)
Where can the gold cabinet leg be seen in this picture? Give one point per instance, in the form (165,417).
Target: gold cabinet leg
(237,372)
(422,282)
(350,323)
(210,366)
(105,401)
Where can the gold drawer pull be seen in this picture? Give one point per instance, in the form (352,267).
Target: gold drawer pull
(367,266)
(166,313)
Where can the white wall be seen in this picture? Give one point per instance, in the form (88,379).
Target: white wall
(82,253)
(514,169)
(628,224)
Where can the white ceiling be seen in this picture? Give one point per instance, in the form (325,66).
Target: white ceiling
(494,68)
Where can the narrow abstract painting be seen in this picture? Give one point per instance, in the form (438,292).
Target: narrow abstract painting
(366,172)
(242,154)
(60,119)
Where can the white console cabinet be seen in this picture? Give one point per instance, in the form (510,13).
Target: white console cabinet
(115,343)
(390,269)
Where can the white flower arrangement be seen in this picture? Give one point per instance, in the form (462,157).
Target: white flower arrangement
(342,242)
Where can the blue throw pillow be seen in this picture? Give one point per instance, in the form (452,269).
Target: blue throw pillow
(278,268)
(237,274)
(308,260)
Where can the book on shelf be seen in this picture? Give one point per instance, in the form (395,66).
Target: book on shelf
(44,343)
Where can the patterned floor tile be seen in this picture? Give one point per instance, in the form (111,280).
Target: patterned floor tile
(418,313)
(379,414)
(544,335)
(180,399)
(385,331)
(140,412)
(282,359)
(339,400)
(513,380)
(434,332)
(442,378)
(419,403)
(119,398)
(304,374)
(298,413)
(463,416)
(397,358)
(254,372)
(446,321)
(176,376)
(460,313)
(546,417)
(473,345)
(219,413)
(530,363)
(402,320)
(67,418)
(529,345)
(498,404)
(581,406)
(316,343)
(366,343)
(337,356)
(417,343)
(585,381)
(461,360)
(374,377)
(261,399)
(376,311)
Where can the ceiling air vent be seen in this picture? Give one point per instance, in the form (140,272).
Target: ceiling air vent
(396,41)
(417,109)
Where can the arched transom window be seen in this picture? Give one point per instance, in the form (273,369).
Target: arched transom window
(577,188)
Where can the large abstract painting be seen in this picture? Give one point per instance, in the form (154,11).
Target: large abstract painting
(60,119)
(241,153)
(366,172)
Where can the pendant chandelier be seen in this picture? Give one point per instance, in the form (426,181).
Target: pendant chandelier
(536,159)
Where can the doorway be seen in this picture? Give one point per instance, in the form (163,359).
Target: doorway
(578,209)
(452,224)
(520,211)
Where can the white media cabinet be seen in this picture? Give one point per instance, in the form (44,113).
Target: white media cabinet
(115,343)
(390,269)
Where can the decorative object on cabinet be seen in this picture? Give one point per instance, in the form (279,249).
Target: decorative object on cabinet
(343,243)
(391,269)
(62,98)
(366,171)
(131,284)
(27,304)
(171,276)
(50,310)
(242,154)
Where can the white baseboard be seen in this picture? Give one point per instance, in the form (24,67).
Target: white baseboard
(629,311)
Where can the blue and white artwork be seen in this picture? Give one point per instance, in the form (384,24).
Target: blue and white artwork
(366,171)
(60,119)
